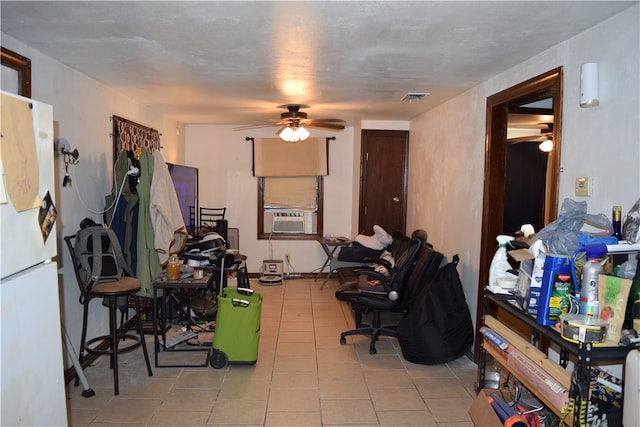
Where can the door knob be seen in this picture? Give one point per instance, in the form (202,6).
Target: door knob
(396,199)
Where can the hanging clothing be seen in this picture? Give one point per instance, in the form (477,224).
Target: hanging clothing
(148,268)
(123,217)
(166,216)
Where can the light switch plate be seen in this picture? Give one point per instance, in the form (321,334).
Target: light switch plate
(583,186)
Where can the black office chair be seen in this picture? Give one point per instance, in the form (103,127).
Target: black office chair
(101,272)
(391,293)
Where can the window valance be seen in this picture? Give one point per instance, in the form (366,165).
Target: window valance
(129,136)
(273,157)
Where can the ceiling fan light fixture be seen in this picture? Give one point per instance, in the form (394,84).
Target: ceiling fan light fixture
(294,134)
(546,146)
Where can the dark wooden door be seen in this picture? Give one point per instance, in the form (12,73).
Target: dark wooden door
(383,180)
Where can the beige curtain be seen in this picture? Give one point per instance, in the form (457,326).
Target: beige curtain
(274,157)
(291,192)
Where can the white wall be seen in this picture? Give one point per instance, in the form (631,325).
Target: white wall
(82,109)
(446,168)
(224,159)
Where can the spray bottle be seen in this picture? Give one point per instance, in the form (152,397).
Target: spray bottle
(500,264)
(589,304)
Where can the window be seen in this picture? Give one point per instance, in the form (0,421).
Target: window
(290,207)
(290,192)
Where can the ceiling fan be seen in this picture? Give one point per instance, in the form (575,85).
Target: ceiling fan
(293,122)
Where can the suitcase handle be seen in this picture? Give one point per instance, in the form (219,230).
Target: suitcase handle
(240,302)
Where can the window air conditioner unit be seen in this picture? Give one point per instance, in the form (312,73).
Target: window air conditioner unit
(292,221)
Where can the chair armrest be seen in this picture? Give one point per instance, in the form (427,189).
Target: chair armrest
(382,262)
(371,273)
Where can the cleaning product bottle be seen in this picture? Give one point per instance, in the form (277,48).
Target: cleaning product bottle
(555,292)
(589,278)
(500,264)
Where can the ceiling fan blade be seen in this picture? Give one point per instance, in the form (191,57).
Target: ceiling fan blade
(329,120)
(532,138)
(325,125)
(265,124)
(247,127)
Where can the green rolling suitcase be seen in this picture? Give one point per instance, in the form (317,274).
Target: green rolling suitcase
(237,333)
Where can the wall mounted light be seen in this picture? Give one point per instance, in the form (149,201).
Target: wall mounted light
(589,96)
(294,134)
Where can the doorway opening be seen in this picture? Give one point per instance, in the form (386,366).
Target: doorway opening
(503,109)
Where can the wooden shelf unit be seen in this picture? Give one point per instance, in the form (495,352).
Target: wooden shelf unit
(584,355)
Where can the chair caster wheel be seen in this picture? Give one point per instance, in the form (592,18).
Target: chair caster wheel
(343,340)
(372,349)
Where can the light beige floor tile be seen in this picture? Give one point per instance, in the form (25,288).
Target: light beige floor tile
(397,399)
(179,418)
(333,389)
(144,388)
(294,380)
(429,371)
(348,412)
(245,390)
(238,412)
(381,362)
(340,371)
(448,410)
(296,349)
(206,378)
(97,402)
(121,410)
(295,337)
(81,417)
(387,379)
(293,419)
(297,400)
(407,418)
(189,399)
(295,364)
(441,388)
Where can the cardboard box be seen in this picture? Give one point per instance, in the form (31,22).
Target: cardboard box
(481,412)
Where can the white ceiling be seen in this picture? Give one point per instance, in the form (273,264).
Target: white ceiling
(235,62)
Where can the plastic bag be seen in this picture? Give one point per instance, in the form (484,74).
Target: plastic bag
(631,227)
(561,235)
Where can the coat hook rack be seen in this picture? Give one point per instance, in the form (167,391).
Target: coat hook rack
(69,158)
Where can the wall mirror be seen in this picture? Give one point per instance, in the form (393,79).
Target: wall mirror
(16,73)
(534,106)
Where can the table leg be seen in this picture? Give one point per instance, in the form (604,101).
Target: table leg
(330,257)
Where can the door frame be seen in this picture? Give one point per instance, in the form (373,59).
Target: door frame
(548,84)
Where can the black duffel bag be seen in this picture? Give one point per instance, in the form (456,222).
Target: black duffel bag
(437,326)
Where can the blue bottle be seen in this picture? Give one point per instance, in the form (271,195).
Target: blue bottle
(555,293)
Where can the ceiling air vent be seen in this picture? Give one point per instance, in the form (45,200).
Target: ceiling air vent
(414,96)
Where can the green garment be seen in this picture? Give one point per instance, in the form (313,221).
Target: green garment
(148,267)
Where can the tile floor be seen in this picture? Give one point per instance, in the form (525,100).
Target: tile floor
(303,377)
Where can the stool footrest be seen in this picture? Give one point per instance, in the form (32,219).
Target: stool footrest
(135,344)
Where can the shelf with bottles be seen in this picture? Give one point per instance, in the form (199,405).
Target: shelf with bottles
(623,247)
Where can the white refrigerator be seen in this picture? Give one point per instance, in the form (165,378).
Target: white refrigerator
(31,357)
